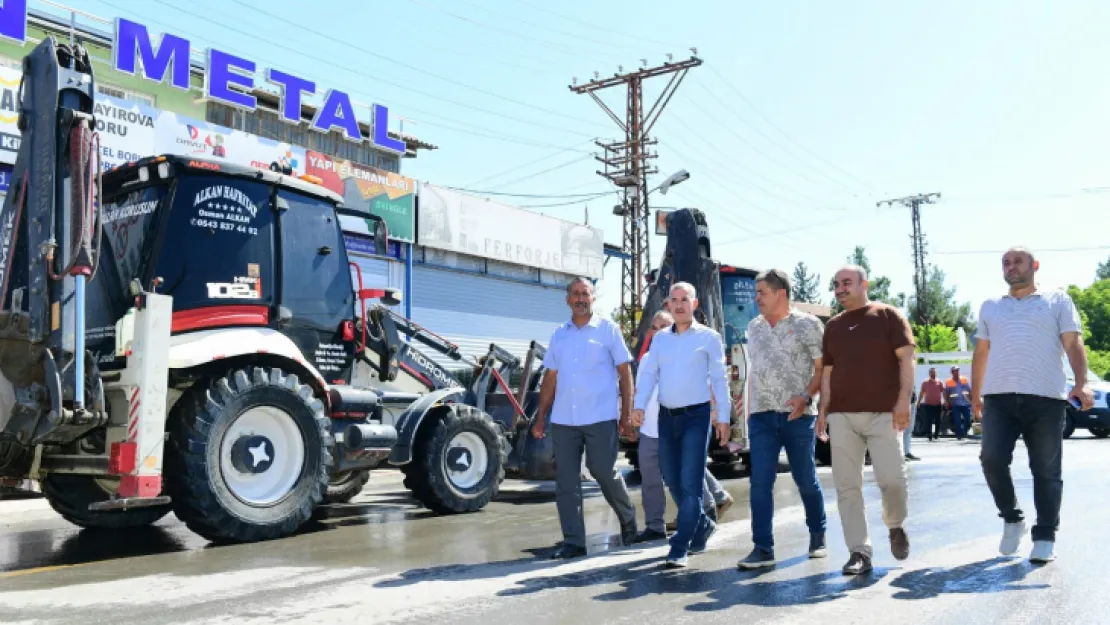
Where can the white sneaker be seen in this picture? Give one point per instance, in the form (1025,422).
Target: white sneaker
(1042,551)
(1011,538)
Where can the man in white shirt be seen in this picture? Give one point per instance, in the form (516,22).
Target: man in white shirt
(684,363)
(586,362)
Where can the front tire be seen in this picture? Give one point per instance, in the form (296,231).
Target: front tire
(343,487)
(70,496)
(1099,432)
(249,455)
(456,465)
(1069,424)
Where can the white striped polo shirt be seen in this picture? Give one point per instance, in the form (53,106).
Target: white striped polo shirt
(1026,351)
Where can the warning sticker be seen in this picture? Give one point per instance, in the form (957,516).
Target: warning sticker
(224,208)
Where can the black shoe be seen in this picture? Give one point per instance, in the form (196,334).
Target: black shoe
(912,457)
(628,532)
(858,564)
(650,535)
(566,552)
(817,547)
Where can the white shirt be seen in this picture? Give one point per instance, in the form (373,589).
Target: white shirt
(586,359)
(681,367)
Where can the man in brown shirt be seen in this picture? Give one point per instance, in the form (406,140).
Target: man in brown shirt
(932,404)
(868,358)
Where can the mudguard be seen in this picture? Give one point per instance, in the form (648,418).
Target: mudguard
(408,424)
(198,348)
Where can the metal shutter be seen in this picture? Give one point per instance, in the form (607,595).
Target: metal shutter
(473,311)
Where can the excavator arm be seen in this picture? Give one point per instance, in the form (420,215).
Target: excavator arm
(50,389)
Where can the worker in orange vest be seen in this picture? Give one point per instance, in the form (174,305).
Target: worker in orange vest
(957,391)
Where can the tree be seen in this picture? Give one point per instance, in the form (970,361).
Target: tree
(628,325)
(805,285)
(939,338)
(878,289)
(941,306)
(1093,303)
(1103,271)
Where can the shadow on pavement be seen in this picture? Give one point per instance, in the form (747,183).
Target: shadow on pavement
(982,577)
(91,545)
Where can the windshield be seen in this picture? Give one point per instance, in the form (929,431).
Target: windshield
(738,300)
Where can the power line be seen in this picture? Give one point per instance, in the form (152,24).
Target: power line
(409,66)
(614,192)
(529,163)
(780,130)
(1038,251)
(540,173)
(509,32)
(301,53)
(637,37)
(528,195)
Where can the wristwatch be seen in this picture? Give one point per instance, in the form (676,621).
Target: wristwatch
(809,400)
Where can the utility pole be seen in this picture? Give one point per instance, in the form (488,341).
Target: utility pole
(920,271)
(626,164)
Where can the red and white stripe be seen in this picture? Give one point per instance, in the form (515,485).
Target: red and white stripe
(133,416)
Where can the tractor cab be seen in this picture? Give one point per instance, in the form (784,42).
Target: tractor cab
(235,247)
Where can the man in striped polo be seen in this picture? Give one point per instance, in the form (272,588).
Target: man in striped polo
(1018,389)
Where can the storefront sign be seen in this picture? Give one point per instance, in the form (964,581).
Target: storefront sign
(178,134)
(5,178)
(467,224)
(358,244)
(9,113)
(13,20)
(385,194)
(134,53)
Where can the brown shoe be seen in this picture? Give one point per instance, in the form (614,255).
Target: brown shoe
(899,543)
(858,564)
(672,526)
(721,507)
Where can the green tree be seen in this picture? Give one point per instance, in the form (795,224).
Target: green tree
(806,287)
(1103,271)
(938,338)
(628,325)
(941,306)
(1093,303)
(878,289)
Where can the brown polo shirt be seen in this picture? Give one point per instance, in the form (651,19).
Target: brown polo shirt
(859,345)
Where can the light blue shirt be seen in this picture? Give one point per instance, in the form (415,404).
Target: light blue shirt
(586,359)
(684,367)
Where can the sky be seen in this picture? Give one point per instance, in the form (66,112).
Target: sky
(803,115)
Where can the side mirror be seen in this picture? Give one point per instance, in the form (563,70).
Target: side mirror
(381,237)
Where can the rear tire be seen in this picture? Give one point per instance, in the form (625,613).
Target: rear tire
(70,496)
(345,486)
(249,455)
(822,452)
(1098,432)
(1069,424)
(456,465)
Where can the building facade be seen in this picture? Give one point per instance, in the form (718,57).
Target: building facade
(472,270)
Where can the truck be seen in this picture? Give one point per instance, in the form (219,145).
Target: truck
(181,334)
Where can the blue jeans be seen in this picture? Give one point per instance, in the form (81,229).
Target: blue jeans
(1039,421)
(683,447)
(961,420)
(770,432)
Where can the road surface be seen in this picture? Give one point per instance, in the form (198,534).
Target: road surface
(383,560)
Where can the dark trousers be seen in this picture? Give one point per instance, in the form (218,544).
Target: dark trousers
(961,420)
(683,446)
(770,432)
(601,444)
(1039,421)
(932,416)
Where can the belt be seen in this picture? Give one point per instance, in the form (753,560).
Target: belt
(673,412)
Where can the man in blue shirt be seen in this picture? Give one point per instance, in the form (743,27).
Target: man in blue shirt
(585,359)
(685,362)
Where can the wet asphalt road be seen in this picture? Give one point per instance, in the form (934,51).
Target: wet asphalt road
(383,560)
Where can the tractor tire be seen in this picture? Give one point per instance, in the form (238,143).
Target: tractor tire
(343,487)
(249,455)
(1098,432)
(456,465)
(70,496)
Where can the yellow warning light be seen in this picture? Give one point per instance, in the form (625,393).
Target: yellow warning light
(311,178)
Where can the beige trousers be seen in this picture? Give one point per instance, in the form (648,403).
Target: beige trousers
(851,435)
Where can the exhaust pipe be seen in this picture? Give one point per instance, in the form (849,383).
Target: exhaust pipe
(370,436)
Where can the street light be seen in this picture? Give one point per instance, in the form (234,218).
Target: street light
(678,177)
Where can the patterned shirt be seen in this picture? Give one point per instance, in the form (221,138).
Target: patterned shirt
(782,360)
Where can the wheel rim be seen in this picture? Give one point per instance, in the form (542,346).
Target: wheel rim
(262,456)
(466,460)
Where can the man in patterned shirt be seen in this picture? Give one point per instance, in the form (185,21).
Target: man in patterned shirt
(785,348)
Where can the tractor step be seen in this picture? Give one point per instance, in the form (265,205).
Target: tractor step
(128,503)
